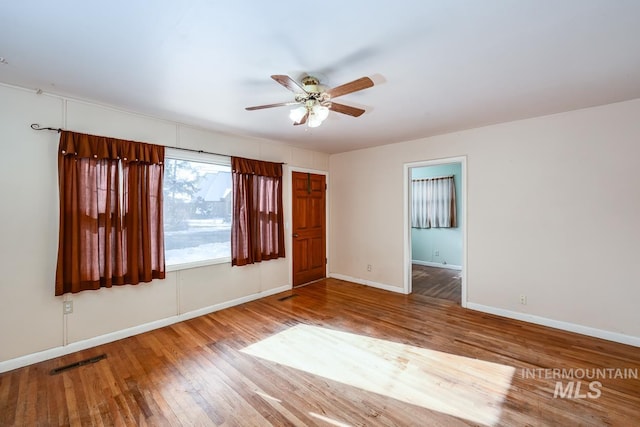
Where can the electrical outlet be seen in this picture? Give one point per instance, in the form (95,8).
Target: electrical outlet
(437,253)
(368,267)
(523,299)
(67,307)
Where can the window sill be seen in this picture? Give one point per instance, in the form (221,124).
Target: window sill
(197,264)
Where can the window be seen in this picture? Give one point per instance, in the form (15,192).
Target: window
(433,202)
(197,209)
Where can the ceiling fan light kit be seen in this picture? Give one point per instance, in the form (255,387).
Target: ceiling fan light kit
(315,112)
(297,114)
(314,100)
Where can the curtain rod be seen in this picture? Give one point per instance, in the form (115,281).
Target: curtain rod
(435,177)
(36,126)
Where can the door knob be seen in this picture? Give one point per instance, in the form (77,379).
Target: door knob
(295,234)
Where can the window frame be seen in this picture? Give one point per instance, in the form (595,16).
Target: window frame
(216,159)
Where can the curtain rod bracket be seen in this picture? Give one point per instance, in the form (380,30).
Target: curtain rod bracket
(36,126)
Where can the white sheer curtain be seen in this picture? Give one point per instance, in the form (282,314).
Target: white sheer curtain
(433,203)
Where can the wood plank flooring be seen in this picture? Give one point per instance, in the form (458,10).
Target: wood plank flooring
(443,283)
(336,353)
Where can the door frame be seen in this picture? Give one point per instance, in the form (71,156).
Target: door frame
(289,224)
(407,219)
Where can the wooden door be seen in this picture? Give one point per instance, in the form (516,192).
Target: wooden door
(308,227)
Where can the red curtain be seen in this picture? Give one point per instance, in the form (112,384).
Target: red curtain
(108,236)
(257,227)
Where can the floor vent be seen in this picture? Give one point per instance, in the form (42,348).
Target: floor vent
(76,364)
(287,297)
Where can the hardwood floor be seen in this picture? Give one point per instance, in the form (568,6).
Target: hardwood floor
(442,283)
(336,353)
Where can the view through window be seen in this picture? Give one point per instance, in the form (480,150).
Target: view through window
(197,209)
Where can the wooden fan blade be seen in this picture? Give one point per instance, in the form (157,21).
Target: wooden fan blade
(354,86)
(279,104)
(303,120)
(289,83)
(345,109)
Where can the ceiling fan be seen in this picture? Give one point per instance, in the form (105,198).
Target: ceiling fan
(314,100)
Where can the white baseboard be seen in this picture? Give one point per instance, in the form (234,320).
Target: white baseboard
(436,264)
(367,283)
(41,356)
(227,304)
(557,324)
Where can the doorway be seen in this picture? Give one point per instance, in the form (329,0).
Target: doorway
(435,257)
(308,227)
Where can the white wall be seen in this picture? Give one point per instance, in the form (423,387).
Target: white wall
(31,316)
(553,213)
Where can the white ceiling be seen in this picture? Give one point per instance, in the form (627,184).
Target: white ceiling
(438,65)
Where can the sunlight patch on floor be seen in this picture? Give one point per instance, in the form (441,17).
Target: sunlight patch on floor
(268,397)
(328,420)
(467,388)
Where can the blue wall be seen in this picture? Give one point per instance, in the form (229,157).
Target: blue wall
(445,242)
